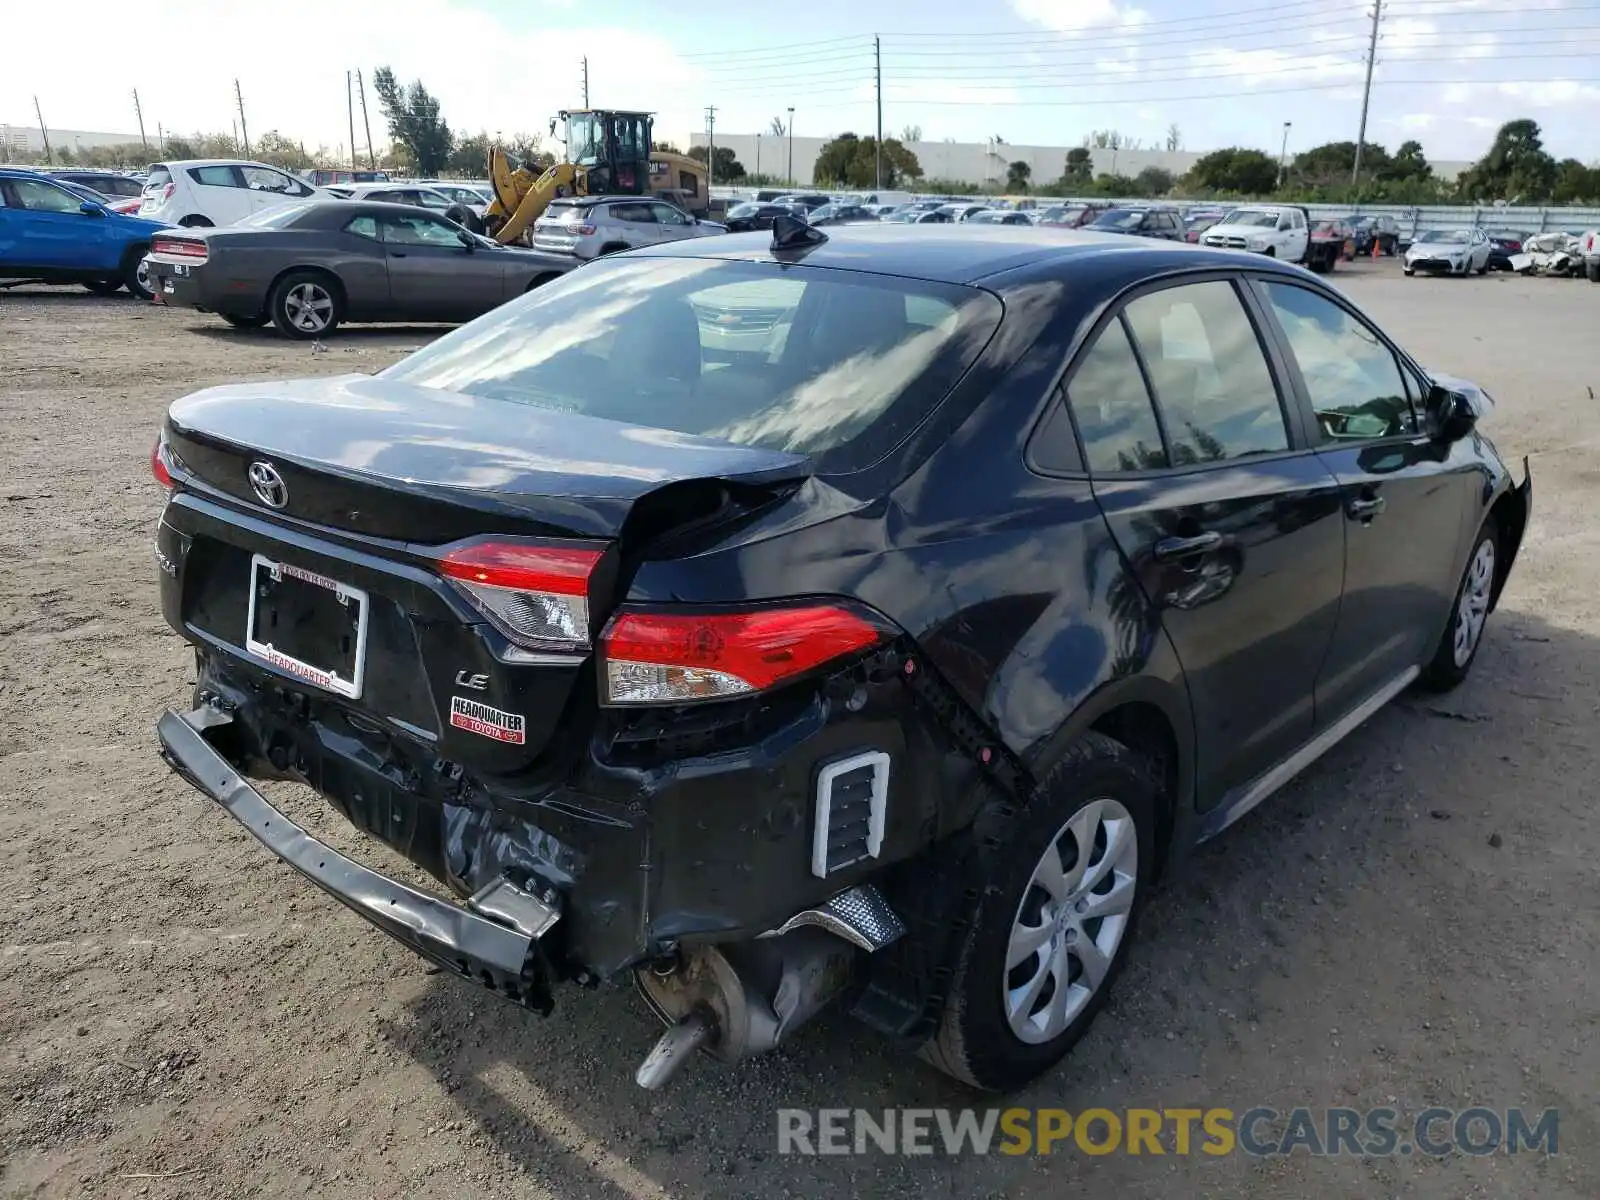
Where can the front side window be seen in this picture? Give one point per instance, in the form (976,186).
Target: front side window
(214,176)
(260,179)
(1209,373)
(1356,386)
(667,215)
(37,196)
(1115,418)
(634,214)
(833,364)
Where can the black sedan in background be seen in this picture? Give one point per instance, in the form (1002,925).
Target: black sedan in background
(746,218)
(1503,243)
(841,214)
(1155,221)
(307,267)
(844,656)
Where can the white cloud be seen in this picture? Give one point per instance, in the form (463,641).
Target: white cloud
(1251,67)
(1551,93)
(1074,16)
(291,65)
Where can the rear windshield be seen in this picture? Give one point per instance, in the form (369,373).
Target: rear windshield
(837,365)
(281,217)
(159,177)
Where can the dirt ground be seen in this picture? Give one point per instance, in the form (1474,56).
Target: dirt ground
(1412,923)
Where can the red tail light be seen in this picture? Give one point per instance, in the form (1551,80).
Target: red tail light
(677,657)
(178,247)
(538,596)
(160,465)
(166,192)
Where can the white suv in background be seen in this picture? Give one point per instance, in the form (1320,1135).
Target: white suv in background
(1279,231)
(219,191)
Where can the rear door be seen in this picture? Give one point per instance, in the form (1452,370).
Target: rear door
(1404,499)
(1227,519)
(268,188)
(433,276)
(672,223)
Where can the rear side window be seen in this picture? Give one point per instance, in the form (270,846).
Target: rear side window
(1115,418)
(1355,383)
(214,176)
(833,364)
(1210,375)
(366,227)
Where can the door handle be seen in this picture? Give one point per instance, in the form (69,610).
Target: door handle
(1168,549)
(1364,508)
(397,254)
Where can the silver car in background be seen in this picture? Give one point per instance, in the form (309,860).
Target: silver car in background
(1449,252)
(589,226)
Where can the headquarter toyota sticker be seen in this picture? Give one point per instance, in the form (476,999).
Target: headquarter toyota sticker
(487,722)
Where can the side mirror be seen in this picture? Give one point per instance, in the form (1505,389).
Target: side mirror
(1450,415)
(90,209)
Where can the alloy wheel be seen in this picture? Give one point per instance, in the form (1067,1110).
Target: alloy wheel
(1472,610)
(309,307)
(1071,920)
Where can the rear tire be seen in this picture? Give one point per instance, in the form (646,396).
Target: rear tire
(136,275)
(1093,821)
(1458,645)
(306,305)
(1592,270)
(196,221)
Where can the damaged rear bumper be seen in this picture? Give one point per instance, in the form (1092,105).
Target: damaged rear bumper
(502,954)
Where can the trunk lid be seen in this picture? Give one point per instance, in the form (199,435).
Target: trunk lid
(393,460)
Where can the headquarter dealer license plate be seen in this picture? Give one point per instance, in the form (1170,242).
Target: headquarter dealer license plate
(307,625)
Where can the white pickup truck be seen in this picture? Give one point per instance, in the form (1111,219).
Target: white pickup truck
(1278,231)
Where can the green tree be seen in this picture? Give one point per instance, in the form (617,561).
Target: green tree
(1575,183)
(852,161)
(1017,176)
(414,121)
(1112,186)
(1516,168)
(1079,168)
(1154,181)
(272,147)
(1410,162)
(727,166)
(1234,169)
(469,155)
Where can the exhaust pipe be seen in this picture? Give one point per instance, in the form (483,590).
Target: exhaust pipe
(745,998)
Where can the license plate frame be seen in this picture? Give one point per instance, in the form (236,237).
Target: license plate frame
(322,677)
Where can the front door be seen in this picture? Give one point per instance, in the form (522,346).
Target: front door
(51,230)
(672,223)
(433,275)
(1230,524)
(1404,497)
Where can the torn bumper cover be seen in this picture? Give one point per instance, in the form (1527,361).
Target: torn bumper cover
(500,951)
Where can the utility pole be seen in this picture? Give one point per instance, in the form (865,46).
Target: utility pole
(586,81)
(138,112)
(1366,92)
(361,90)
(791,145)
(877,70)
(350,111)
(161,139)
(49,159)
(758,152)
(711,146)
(243,128)
(1283,152)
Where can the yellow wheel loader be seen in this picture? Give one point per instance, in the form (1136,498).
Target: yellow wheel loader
(608,153)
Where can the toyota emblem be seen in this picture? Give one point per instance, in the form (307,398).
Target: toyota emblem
(268,485)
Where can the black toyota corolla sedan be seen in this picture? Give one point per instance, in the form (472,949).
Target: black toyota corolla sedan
(861,617)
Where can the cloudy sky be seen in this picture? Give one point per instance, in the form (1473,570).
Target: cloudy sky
(1030,71)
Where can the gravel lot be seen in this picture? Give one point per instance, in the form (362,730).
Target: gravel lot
(1412,923)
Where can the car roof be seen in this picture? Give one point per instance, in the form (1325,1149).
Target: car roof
(186,163)
(961,253)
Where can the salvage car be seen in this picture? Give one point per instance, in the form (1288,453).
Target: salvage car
(747,218)
(203,192)
(883,659)
(1382,231)
(52,231)
(1151,221)
(308,267)
(594,226)
(1448,252)
(1504,244)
